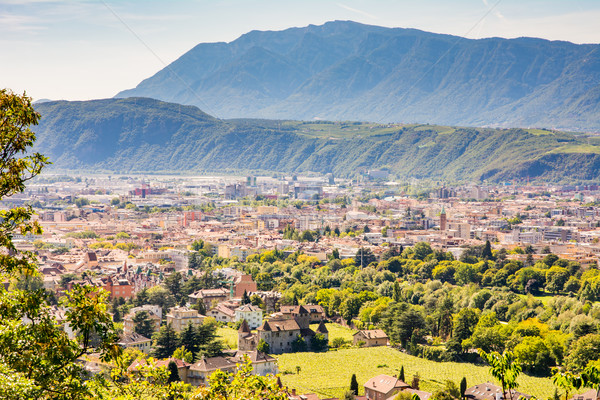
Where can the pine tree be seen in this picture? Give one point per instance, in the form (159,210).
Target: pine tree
(188,339)
(117,315)
(166,342)
(401,375)
(354,385)
(143,324)
(207,341)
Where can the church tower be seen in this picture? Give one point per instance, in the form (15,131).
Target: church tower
(443,219)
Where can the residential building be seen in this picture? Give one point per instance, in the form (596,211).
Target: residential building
(279,334)
(488,391)
(180,317)
(200,371)
(222,313)
(154,313)
(182,367)
(382,387)
(209,296)
(591,394)
(135,341)
(118,287)
(371,338)
(252,314)
(316,313)
(262,363)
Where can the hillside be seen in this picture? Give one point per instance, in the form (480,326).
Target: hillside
(349,71)
(146,135)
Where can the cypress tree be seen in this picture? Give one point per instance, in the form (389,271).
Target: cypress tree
(245,298)
(354,385)
(401,375)
(463,387)
(173,372)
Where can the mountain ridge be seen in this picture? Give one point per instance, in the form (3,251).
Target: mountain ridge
(138,135)
(344,70)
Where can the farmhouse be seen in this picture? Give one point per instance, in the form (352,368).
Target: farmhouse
(373,337)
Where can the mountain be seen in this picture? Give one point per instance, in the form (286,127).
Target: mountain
(147,135)
(344,70)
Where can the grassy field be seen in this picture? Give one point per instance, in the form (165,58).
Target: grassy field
(229,337)
(328,374)
(579,148)
(538,132)
(335,331)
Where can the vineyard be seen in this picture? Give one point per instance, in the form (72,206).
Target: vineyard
(328,374)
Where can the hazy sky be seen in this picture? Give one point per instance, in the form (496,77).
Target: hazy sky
(86,49)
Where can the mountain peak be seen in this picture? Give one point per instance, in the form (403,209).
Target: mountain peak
(352,71)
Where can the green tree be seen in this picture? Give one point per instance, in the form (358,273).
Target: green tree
(406,325)
(567,381)
(416,381)
(173,372)
(299,344)
(401,375)
(146,381)
(208,343)
(173,283)
(364,256)
(584,350)
(318,342)
(503,367)
(397,292)
(465,323)
(487,251)
(38,360)
(188,338)
(143,324)
(263,346)
(181,353)
(422,250)
(165,342)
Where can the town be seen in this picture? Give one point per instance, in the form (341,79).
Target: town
(193,265)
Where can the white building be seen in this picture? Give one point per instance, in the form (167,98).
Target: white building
(252,314)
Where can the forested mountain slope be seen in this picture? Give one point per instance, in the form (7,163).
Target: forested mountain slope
(146,135)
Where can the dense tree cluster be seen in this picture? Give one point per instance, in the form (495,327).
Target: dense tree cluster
(484,300)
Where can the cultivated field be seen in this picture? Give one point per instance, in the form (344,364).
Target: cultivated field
(328,374)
